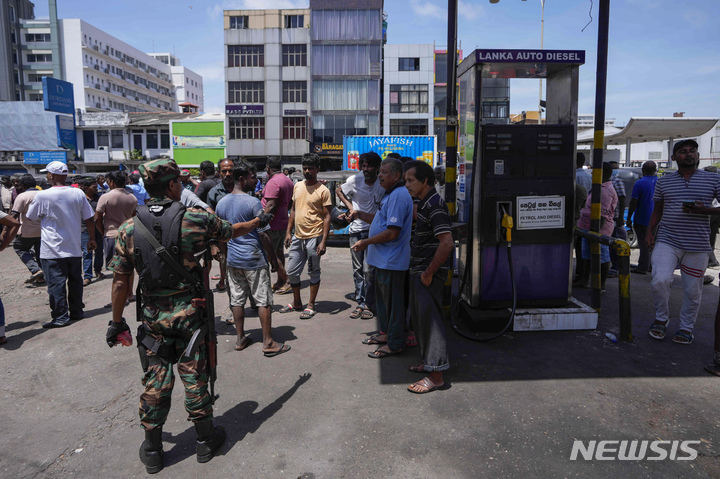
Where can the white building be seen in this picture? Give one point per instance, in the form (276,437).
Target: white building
(267,80)
(587,120)
(409,74)
(107,73)
(188,84)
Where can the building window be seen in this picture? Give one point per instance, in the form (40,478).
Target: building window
(37,37)
(294,128)
(408,98)
(117,138)
(294,92)
(441,68)
(35,78)
(36,97)
(247,128)
(15,57)
(408,127)
(239,22)
(13,36)
(246,92)
(495,110)
(246,56)
(440,108)
(294,55)
(152,139)
(39,58)
(294,21)
(102,138)
(165,139)
(12,14)
(408,64)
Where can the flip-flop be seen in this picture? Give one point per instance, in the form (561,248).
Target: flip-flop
(289,308)
(380,354)
(426,383)
(215,278)
(247,341)
(284,290)
(367,314)
(307,313)
(411,341)
(357,313)
(283,348)
(373,340)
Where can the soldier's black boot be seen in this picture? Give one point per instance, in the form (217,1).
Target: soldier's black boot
(151,452)
(209,440)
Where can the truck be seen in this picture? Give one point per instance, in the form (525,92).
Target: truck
(417,147)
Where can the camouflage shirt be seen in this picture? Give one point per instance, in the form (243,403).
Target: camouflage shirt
(198,227)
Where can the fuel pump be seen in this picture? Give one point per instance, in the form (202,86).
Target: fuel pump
(518,212)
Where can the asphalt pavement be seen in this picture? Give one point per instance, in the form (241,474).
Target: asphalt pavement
(514,408)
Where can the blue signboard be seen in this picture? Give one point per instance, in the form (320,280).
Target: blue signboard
(417,147)
(540,56)
(43,157)
(66,137)
(58,96)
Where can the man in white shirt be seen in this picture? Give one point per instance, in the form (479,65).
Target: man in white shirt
(362,193)
(60,210)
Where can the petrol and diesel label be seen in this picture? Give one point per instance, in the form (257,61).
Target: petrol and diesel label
(540,212)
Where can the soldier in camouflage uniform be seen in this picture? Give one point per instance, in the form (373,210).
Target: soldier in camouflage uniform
(168,316)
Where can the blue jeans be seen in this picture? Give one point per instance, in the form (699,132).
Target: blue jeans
(28,250)
(65,288)
(363,274)
(88,255)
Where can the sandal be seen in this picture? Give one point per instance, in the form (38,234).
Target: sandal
(411,341)
(425,385)
(417,368)
(284,290)
(683,337)
(220,286)
(307,313)
(215,278)
(288,308)
(380,354)
(357,313)
(373,340)
(657,331)
(244,343)
(367,314)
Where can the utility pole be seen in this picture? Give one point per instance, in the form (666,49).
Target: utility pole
(451,113)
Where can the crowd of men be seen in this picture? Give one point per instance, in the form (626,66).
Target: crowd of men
(167,228)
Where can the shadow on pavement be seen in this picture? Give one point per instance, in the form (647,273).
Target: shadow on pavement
(239,421)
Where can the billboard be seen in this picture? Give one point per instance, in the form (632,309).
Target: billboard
(58,96)
(417,147)
(66,137)
(43,157)
(195,141)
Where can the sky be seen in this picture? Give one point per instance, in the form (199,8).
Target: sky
(663,55)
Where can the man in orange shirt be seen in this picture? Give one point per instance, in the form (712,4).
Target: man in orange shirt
(310,216)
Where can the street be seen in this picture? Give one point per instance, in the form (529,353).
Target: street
(326,410)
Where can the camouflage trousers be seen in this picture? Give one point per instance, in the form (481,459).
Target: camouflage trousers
(159,378)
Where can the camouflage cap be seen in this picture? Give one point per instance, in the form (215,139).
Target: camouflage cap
(159,171)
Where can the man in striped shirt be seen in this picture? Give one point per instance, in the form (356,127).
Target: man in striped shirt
(430,260)
(683,237)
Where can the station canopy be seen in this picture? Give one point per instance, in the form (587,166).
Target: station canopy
(641,130)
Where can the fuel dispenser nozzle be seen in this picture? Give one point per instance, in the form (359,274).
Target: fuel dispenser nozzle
(507,223)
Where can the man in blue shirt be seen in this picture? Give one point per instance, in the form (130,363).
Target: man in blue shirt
(388,248)
(247,266)
(582,176)
(641,206)
(137,189)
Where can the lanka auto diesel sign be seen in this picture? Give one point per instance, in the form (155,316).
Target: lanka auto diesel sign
(540,212)
(541,56)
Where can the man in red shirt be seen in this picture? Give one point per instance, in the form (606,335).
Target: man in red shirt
(276,198)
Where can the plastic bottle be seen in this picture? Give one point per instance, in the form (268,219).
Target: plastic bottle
(611,337)
(125,338)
